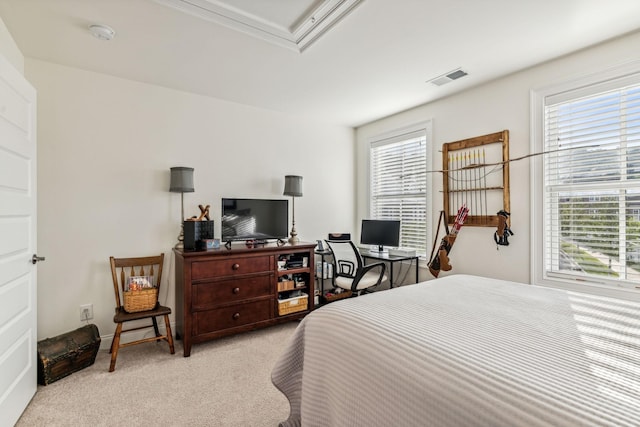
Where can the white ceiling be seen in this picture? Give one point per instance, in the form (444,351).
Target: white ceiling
(374,62)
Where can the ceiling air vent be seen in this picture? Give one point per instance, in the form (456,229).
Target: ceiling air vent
(448,77)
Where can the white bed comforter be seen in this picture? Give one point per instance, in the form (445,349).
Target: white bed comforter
(465,351)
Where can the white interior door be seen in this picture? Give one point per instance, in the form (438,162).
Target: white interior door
(18,311)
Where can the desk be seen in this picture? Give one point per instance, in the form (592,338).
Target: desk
(377,256)
(391,259)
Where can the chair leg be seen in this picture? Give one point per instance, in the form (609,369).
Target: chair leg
(169,336)
(112,342)
(155,326)
(115,345)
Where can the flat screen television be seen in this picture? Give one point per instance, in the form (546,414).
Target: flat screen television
(380,232)
(254,219)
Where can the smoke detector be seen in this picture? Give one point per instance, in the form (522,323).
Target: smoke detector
(103,32)
(448,77)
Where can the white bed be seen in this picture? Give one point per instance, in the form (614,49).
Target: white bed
(465,351)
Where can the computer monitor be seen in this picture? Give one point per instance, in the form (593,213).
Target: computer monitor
(380,232)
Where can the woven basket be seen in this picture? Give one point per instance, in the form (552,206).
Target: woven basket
(142,300)
(292,305)
(331,296)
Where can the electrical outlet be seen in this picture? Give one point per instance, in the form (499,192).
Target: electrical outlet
(86,312)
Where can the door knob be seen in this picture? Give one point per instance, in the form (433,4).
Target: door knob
(35,258)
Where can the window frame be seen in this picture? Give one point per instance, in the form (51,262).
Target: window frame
(572,88)
(424,127)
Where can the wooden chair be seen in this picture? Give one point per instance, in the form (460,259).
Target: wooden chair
(121,270)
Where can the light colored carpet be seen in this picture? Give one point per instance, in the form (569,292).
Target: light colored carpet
(225,382)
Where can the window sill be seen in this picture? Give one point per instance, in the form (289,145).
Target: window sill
(594,288)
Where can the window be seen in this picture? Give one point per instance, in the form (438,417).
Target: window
(399,184)
(588,184)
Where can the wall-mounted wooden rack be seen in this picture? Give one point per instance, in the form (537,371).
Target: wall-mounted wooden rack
(476,173)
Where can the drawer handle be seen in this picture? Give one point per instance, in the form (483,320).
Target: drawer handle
(235,266)
(236,290)
(236,316)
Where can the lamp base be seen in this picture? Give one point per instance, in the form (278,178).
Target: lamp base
(180,244)
(294,240)
(294,236)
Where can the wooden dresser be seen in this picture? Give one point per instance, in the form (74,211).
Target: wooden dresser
(226,291)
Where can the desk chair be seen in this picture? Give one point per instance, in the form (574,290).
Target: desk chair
(121,270)
(350,273)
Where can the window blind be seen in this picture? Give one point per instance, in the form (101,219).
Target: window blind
(398,186)
(592,184)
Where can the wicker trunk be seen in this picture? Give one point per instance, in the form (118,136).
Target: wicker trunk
(67,353)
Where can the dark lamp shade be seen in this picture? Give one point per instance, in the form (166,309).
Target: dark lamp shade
(292,185)
(181,180)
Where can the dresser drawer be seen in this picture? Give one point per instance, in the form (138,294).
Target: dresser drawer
(228,291)
(230,267)
(232,316)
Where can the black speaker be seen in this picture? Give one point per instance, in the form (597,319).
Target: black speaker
(195,232)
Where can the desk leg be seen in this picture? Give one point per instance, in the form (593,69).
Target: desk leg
(390,274)
(417,277)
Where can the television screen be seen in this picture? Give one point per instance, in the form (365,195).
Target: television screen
(380,232)
(254,219)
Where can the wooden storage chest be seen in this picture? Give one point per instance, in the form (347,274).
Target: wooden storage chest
(67,353)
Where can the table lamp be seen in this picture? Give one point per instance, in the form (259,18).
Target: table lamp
(293,188)
(181,182)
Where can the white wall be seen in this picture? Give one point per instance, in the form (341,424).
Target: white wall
(502,104)
(9,49)
(105,146)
